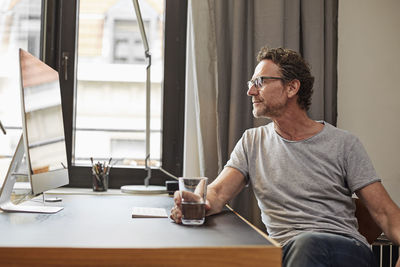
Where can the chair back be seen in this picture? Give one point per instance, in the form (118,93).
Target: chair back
(366,225)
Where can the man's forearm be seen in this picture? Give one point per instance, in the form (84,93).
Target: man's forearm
(390,225)
(225,187)
(382,209)
(216,204)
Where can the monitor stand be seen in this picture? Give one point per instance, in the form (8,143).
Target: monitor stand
(8,185)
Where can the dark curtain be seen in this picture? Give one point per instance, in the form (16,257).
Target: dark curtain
(236,30)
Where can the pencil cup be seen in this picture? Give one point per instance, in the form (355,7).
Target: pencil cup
(100,182)
(193,191)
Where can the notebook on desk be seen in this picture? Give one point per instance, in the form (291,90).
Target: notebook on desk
(146,212)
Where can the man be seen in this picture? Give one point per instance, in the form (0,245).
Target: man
(303,172)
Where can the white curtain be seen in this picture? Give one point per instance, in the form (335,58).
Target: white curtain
(201,83)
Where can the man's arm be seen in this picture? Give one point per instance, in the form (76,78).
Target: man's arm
(225,187)
(382,209)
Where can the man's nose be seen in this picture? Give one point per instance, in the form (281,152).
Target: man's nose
(252,91)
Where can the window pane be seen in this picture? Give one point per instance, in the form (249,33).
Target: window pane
(19,28)
(111,82)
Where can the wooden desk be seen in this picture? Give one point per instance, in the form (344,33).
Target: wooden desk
(98,230)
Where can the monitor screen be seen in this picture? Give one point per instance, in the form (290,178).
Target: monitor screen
(43,127)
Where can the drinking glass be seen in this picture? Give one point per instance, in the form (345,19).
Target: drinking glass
(193,192)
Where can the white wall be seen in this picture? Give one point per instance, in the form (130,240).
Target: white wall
(369,82)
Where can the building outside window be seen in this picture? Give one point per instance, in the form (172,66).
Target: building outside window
(19,28)
(103,87)
(111,82)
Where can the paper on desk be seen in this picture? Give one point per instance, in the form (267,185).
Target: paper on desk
(146,212)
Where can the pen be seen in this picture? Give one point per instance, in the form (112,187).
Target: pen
(100,171)
(101,168)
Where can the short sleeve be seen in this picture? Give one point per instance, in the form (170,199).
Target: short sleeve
(239,158)
(359,169)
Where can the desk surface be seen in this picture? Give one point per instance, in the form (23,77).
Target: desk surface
(105,222)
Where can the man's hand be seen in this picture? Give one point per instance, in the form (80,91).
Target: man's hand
(176,211)
(225,187)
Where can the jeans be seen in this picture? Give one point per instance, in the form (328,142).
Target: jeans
(321,249)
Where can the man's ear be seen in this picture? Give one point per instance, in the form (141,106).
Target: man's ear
(293,87)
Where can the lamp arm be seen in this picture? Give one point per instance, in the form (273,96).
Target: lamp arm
(148,104)
(148,84)
(2,128)
(141,26)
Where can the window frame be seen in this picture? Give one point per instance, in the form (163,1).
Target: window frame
(60,24)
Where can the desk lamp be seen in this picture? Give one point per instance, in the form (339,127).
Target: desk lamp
(146,188)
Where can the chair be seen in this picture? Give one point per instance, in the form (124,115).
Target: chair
(366,225)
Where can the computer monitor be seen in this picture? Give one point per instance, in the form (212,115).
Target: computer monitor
(42,140)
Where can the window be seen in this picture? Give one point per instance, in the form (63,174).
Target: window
(111,82)
(19,28)
(100,58)
(127,42)
(127,149)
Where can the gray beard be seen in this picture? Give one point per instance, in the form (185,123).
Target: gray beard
(269,112)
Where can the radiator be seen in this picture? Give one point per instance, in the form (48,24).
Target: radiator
(386,254)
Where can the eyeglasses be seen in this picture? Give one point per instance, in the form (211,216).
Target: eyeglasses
(258,82)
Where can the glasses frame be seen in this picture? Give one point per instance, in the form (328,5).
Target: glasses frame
(258,82)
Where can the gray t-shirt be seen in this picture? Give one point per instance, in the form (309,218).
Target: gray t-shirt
(304,185)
